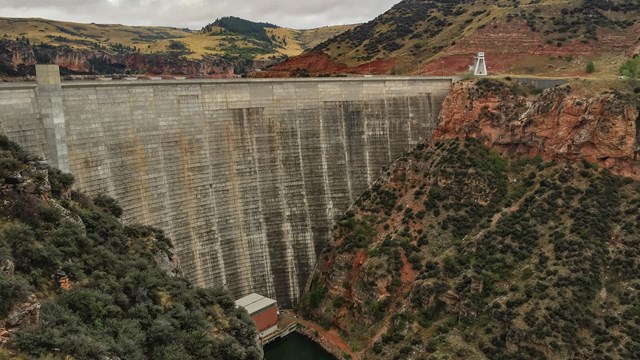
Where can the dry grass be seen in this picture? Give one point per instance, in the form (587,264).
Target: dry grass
(595,86)
(157,39)
(569,67)
(313,37)
(44,31)
(415,52)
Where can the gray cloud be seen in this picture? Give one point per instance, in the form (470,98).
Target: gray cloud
(300,14)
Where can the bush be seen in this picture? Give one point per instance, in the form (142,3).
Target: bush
(591,67)
(631,68)
(109,204)
(316,296)
(416,261)
(12,290)
(338,302)
(28,209)
(16,151)
(33,259)
(60,182)
(177,45)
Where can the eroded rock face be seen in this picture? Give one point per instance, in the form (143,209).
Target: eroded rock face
(23,314)
(18,59)
(168,262)
(559,124)
(7,267)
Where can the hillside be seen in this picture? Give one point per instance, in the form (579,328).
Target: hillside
(224,47)
(542,37)
(77,284)
(459,252)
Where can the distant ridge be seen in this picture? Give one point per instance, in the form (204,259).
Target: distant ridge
(544,37)
(227,47)
(241,26)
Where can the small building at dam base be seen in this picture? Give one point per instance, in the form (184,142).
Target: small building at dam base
(263,311)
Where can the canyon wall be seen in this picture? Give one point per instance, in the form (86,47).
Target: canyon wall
(562,123)
(19,58)
(247,177)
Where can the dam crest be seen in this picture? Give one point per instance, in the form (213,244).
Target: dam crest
(247,177)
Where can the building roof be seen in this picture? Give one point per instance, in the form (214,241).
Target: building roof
(253,303)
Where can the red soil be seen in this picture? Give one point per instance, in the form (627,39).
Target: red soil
(506,44)
(361,257)
(321,64)
(331,337)
(407,274)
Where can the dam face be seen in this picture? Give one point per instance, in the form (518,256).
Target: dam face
(247,177)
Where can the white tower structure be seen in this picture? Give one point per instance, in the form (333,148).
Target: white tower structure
(480,65)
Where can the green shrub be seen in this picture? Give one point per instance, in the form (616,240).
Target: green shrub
(12,290)
(416,261)
(121,305)
(631,68)
(109,204)
(60,182)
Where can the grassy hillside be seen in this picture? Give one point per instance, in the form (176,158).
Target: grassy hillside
(224,38)
(77,284)
(531,33)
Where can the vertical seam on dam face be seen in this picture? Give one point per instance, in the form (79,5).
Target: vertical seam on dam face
(247,177)
(309,250)
(263,274)
(343,114)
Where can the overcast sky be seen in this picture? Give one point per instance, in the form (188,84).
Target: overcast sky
(300,14)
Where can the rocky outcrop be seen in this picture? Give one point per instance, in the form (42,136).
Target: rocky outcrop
(168,262)
(7,267)
(25,313)
(17,58)
(561,123)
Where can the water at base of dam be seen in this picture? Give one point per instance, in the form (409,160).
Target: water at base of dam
(295,346)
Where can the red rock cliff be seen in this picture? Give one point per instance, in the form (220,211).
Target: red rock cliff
(561,123)
(18,59)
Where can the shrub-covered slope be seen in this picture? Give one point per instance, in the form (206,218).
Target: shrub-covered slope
(75,282)
(440,37)
(460,253)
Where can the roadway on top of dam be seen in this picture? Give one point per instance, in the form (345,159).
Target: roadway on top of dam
(173,82)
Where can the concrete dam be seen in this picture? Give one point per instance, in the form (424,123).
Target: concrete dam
(247,177)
